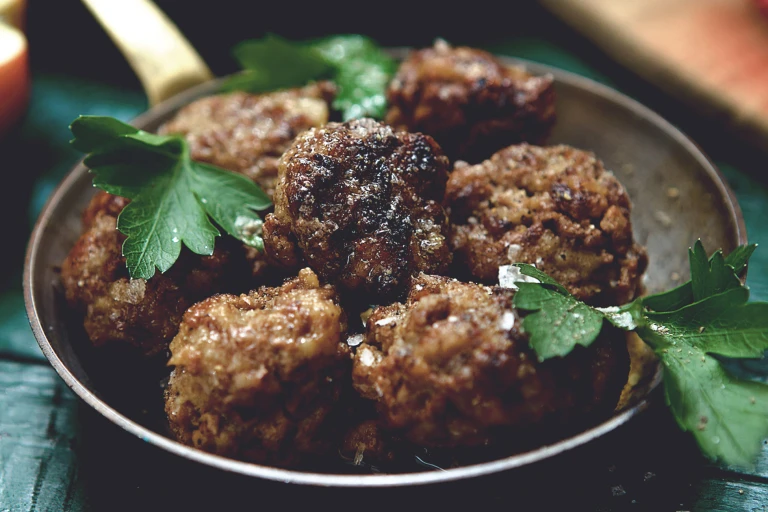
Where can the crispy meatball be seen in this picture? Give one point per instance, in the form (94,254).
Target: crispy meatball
(451,368)
(247,133)
(259,377)
(469,101)
(555,207)
(361,204)
(137,312)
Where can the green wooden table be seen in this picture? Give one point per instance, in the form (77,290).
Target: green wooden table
(58,455)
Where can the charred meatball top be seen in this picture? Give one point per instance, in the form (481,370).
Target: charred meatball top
(259,376)
(247,133)
(144,314)
(555,207)
(361,204)
(469,101)
(451,367)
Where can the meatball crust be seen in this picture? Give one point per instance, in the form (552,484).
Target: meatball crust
(141,313)
(555,207)
(362,204)
(365,442)
(259,377)
(247,133)
(451,368)
(469,101)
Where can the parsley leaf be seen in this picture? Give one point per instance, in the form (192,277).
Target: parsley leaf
(687,328)
(727,417)
(739,257)
(360,69)
(684,294)
(276,63)
(363,72)
(709,277)
(722,324)
(559,321)
(173,198)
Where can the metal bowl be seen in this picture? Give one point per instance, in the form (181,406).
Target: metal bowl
(678,196)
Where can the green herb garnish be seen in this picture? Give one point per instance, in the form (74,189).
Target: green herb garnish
(173,198)
(565,320)
(360,69)
(690,328)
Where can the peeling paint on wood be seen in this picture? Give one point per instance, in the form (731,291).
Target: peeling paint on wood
(37,440)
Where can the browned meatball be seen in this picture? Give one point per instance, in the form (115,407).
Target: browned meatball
(138,312)
(247,133)
(469,101)
(555,207)
(451,367)
(366,443)
(259,376)
(363,204)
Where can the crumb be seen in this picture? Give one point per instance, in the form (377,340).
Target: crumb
(663,218)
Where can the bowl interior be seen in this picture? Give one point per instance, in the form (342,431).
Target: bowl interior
(678,196)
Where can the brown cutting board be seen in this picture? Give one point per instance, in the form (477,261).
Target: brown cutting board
(713,53)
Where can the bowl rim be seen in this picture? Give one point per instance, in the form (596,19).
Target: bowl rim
(352,480)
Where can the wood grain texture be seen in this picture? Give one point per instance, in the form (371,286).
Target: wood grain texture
(711,53)
(724,495)
(38,469)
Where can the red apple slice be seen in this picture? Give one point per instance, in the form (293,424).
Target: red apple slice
(14,76)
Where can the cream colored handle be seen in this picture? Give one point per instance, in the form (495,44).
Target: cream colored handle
(160,55)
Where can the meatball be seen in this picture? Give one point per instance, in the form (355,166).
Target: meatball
(141,313)
(469,101)
(361,204)
(451,367)
(555,207)
(365,444)
(247,133)
(259,377)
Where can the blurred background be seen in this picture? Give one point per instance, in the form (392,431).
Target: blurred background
(76,69)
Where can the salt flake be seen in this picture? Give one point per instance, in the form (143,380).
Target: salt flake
(509,275)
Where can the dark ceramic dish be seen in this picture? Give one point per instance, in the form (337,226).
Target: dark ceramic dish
(678,196)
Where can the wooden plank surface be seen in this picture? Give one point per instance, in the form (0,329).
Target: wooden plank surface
(38,470)
(710,53)
(725,496)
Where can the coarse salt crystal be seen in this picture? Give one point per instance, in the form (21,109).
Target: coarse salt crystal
(367,358)
(507,321)
(355,340)
(509,275)
(513,251)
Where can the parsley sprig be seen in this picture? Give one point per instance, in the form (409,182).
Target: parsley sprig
(174,200)
(360,69)
(691,328)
